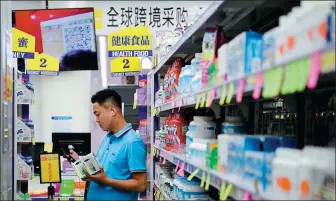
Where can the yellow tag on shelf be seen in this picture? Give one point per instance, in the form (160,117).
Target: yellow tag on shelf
(328,61)
(154,112)
(207,183)
(222,99)
(227,191)
(192,175)
(203,179)
(230,93)
(157,153)
(48,147)
(203,100)
(134,104)
(222,190)
(198,100)
(153,152)
(33,140)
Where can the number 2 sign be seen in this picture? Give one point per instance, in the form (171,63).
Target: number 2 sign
(125,65)
(43,63)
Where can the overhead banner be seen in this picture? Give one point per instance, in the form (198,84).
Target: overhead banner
(43,64)
(23,44)
(126,47)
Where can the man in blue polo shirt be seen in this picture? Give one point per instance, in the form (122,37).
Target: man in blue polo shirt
(122,153)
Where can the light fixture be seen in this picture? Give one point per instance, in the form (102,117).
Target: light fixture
(51,15)
(33,16)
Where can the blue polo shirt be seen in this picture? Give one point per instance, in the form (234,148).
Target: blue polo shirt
(120,155)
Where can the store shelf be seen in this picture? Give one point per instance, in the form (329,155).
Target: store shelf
(191,99)
(216,176)
(161,191)
(190,31)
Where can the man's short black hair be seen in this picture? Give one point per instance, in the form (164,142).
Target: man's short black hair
(106,95)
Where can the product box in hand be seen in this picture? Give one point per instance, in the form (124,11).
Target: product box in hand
(91,164)
(88,163)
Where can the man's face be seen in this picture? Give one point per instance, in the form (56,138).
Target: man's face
(104,116)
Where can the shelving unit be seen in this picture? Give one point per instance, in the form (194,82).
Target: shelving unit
(220,13)
(23,134)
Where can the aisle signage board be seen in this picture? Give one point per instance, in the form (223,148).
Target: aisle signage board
(50,168)
(126,46)
(43,64)
(23,44)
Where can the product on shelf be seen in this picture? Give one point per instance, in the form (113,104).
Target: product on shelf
(166,87)
(160,96)
(174,78)
(233,125)
(305,30)
(24,92)
(222,63)
(212,40)
(245,55)
(196,80)
(24,130)
(175,128)
(25,167)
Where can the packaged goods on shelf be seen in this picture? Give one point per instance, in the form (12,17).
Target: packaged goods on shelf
(245,55)
(25,167)
(212,40)
(305,30)
(24,92)
(24,130)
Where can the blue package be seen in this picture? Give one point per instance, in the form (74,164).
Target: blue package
(253,158)
(253,52)
(270,144)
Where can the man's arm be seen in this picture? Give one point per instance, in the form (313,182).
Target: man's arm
(136,184)
(136,157)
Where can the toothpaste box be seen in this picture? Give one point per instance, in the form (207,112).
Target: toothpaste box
(91,164)
(79,168)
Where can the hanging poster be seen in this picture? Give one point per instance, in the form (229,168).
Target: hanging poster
(126,46)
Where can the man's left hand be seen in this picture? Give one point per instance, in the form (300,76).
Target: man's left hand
(100,177)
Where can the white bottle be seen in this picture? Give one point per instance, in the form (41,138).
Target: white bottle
(205,127)
(196,78)
(286,168)
(188,74)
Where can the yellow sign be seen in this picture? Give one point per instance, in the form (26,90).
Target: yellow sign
(125,66)
(130,42)
(43,64)
(50,168)
(23,44)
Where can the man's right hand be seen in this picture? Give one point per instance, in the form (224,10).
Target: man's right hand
(73,154)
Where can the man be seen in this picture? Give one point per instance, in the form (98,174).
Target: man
(121,154)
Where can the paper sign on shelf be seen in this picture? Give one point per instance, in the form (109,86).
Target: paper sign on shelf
(125,66)
(23,44)
(43,64)
(50,168)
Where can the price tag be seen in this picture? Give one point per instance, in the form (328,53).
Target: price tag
(207,184)
(203,179)
(177,165)
(272,82)
(43,64)
(125,66)
(258,86)
(230,93)
(192,175)
(211,97)
(223,96)
(222,190)
(198,100)
(203,99)
(240,92)
(328,61)
(315,69)
(303,72)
